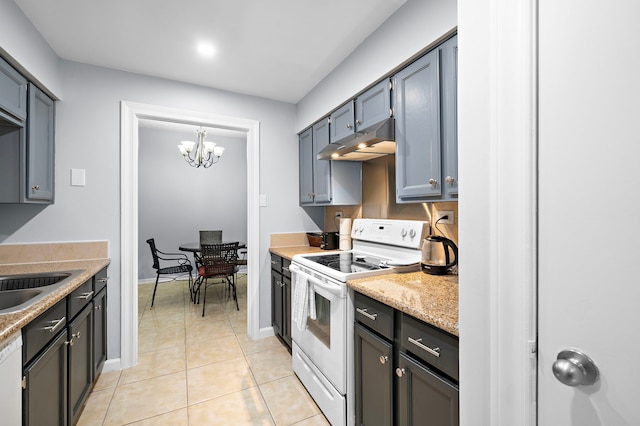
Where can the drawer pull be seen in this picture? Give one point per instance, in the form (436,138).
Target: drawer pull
(53,328)
(285,268)
(435,352)
(85,296)
(76,335)
(103,280)
(364,312)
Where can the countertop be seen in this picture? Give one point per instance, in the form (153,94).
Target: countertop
(430,298)
(13,322)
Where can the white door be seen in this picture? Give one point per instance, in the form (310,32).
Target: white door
(589,207)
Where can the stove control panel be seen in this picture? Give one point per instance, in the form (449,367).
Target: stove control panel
(403,233)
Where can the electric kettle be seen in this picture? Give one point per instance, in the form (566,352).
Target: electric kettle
(436,259)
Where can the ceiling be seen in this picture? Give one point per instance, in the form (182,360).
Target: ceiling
(276,49)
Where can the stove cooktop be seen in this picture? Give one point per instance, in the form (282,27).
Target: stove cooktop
(351,262)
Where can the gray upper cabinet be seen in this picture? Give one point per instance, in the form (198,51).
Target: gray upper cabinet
(373,106)
(13,92)
(425,102)
(321,169)
(449,56)
(306,160)
(342,122)
(40,147)
(324,182)
(417,114)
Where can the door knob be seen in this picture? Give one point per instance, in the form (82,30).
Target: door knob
(574,368)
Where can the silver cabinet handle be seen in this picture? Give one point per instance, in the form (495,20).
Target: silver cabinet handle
(285,268)
(433,182)
(98,308)
(349,126)
(273,262)
(449,179)
(383,359)
(574,368)
(103,280)
(57,323)
(358,122)
(85,296)
(435,352)
(36,187)
(76,335)
(400,372)
(367,314)
(69,343)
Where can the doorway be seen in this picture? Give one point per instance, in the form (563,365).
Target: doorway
(130,114)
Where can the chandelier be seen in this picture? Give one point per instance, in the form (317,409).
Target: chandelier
(204,153)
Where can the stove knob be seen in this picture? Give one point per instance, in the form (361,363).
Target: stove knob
(403,232)
(412,233)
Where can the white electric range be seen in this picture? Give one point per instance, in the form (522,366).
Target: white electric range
(322,311)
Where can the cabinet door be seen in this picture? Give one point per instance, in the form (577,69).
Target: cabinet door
(417,113)
(99,332)
(80,361)
(40,147)
(44,399)
(306,160)
(373,106)
(342,121)
(276,302)
(449,58)
(424,398)
(321,168)
(13,91)
(286,310)
(373,378)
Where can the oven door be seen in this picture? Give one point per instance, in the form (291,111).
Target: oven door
(323,339)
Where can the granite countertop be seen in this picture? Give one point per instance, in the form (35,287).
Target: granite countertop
(10,323)
(430,298)
(290,251)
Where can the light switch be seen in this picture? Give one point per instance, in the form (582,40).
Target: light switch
(263,200)
(78,177)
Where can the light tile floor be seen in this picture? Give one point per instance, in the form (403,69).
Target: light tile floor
(195,370)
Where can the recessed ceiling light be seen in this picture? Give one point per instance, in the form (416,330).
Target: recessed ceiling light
(205,49)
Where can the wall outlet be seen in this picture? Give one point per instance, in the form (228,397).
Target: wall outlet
(338,213)
(442,213)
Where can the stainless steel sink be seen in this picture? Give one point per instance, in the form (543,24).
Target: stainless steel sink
(18,292)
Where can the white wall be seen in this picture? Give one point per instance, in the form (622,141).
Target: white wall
(29,52)
(414,26)
(176,200)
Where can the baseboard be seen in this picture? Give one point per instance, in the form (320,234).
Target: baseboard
(265,332)
(112,365)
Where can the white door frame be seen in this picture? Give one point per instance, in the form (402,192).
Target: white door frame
(497,136)
(130,114)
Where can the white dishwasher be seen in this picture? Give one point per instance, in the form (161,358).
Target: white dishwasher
(11,380)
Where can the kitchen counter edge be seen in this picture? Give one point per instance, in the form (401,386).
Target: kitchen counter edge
(430,298)
(289,251)
(11,323)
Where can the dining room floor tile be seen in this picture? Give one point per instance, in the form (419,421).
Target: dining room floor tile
(195,370)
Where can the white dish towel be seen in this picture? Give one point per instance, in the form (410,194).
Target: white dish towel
(304,301)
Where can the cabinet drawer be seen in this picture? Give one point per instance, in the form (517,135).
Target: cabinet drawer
(79,298)
(37,334)
(374,314)
(100,281)
(430,345)
(285,268)
(276,263)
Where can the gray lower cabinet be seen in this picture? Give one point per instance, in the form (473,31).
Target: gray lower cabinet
(281,298)
(425,104)
(398,379)
(63,352)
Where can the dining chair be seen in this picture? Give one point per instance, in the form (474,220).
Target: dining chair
(178,263)
(218,261)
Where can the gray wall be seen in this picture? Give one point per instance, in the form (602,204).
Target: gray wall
(177,200)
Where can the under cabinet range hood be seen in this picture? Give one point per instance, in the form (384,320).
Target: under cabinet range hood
(372,142)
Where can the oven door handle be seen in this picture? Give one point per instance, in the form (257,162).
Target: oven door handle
(335,290)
